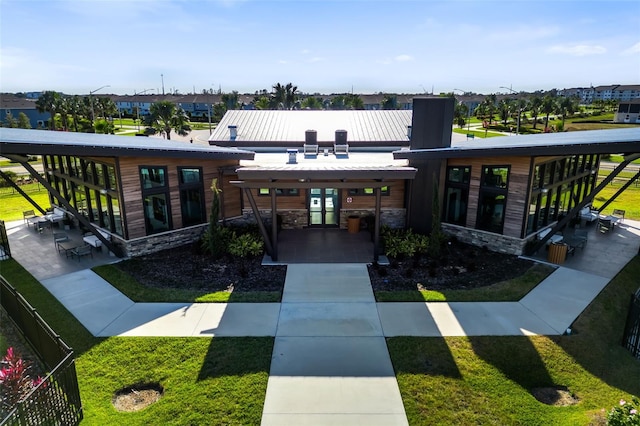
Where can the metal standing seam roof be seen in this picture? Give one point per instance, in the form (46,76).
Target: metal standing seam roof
(271,128)
(614,141)
(326,172)
(43,142)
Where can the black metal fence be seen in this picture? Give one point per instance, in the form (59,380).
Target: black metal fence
(56,400)
(631,336)
(5,251)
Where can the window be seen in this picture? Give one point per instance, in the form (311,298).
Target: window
(191,196)
(287,192)
(457,194)
(369,191)
(492,201)
(155,199)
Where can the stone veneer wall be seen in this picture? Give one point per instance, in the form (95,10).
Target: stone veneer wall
(494,242)
(299,218)
(157,242)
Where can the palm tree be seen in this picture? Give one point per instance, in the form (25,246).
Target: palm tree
(504,107)
(312,102)
(278,96)
(354,102)
(290,96)
(262,102)
(230,100)
(63,108)
(74,104)
(490,106)
(47,103)
(535,104)
(567,106)
(166,116)
(548,106)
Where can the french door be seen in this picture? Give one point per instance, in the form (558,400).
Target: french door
(323,207)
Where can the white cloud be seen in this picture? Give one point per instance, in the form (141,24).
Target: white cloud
(305,51)
(633,50)
(316,59)
(403,58)
(577,49)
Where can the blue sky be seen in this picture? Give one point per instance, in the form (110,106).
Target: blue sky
(325,46)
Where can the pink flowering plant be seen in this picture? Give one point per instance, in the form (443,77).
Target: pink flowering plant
(15,381)
(626,413)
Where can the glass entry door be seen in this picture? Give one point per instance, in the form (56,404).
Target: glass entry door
(323,207)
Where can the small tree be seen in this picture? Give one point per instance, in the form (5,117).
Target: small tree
(23,121)
(245,246)
(216,238)
(10,120)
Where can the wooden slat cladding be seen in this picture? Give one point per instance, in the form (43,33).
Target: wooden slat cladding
(232,196)
(132,189)
(517,186)
(395,199)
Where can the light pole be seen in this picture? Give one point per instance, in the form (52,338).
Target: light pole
(468,113)
(138,107)
(91,100)
(519,109)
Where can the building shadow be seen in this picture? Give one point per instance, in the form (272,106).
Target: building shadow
(237,356)
(429,356)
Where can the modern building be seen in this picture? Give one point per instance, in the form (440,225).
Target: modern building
(320,169)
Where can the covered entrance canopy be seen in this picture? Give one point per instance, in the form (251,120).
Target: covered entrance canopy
(335,177)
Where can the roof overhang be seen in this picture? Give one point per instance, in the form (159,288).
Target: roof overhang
(45,142)
(324,174)
(617,141)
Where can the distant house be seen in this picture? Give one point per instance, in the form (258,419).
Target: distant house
(14,105)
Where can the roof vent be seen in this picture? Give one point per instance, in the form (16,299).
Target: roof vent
(233,132)
(293,156)
(341,137)
(311,137)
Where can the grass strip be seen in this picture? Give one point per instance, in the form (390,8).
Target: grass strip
(505,291)
(487,380)
(137,292)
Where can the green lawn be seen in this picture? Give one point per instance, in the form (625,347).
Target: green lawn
(206,381)
(509,290)
(629,200)
(478,133)
(12,204)
(618,159)
(486,380)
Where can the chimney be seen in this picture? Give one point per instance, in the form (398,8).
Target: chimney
(341,137)
(233,132)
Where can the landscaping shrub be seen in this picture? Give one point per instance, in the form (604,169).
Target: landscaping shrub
(15,381)
(626,413)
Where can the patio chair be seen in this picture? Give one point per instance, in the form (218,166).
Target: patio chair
(85,250)
(619,214)
(604,225)
(28,214)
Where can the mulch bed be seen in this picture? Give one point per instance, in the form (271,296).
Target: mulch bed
(461,266)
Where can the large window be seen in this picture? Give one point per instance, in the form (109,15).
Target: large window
(557,187)
(155,199)
(89,186)
(191,195)
(492,201)
(457,194)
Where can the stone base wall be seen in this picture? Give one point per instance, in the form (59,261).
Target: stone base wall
(393,218)
(158,242)
(494,242)
(299,218)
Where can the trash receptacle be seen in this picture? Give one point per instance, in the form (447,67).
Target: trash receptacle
(557,253)
(353,224)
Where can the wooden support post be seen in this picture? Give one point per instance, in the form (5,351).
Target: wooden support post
(263,229)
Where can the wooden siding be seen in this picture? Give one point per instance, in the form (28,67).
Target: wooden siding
(517,189)
(395,199)
(132,189)
(232,196)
